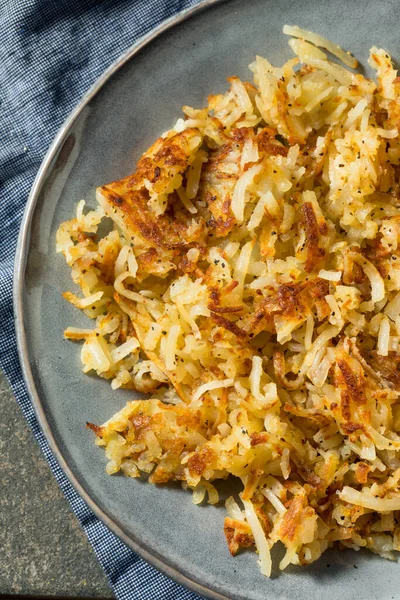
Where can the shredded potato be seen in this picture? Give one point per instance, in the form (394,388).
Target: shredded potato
(250,284)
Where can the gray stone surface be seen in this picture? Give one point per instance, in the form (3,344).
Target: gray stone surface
(43,551)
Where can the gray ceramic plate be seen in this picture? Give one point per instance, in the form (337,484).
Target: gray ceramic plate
(137,99)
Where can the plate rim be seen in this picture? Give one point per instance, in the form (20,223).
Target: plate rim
(20,263)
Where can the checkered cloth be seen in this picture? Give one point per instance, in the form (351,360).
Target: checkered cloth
(51,52)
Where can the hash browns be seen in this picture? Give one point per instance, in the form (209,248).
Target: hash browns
(251,285)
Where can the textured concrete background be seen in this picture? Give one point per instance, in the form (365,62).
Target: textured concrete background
(43,551)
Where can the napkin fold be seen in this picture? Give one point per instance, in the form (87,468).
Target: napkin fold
(51,52)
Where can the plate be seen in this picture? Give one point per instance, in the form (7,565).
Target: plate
(139,97)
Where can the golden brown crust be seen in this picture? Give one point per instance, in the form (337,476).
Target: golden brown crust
(128,199)
(238,535)
(97,429)
(259,438)
(170,230)
(292,518)
(314,254)
(386,367)
(292,301)
(229,326)
(267,143)
(201,461)
(217,185)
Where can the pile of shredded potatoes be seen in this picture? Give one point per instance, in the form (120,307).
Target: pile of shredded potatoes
(251,285)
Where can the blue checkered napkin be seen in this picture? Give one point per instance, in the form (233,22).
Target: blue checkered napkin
(51,52)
